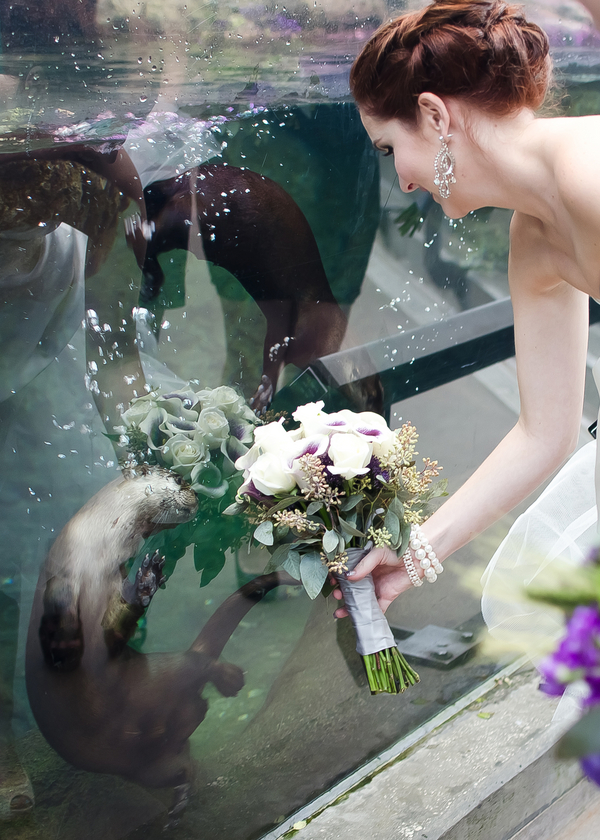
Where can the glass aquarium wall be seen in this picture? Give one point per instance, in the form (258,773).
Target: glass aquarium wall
(191,216)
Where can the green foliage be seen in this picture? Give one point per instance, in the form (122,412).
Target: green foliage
(410,220)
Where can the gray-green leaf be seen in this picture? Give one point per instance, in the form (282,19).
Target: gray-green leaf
(292,564)
(314,507)
(348,528)
(351,502)
(392,523)
(313,573)
(397,507)
(330,541)
(405,538)
(277,558)
(264,533)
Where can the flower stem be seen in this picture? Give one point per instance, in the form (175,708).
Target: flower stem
(389,672)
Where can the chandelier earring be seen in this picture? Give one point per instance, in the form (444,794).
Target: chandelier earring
(444,168)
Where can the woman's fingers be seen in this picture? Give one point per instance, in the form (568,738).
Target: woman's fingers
(376,557)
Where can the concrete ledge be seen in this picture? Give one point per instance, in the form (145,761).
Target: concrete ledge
(574,816)
(483,775)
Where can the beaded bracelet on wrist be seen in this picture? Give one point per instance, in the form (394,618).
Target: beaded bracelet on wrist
(424,554)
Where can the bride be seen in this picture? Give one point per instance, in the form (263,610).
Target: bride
(451,91)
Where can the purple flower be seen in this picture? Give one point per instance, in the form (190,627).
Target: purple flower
(577,656)
(286,24)
(590,764)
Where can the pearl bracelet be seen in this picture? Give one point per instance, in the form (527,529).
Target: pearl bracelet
(426,556)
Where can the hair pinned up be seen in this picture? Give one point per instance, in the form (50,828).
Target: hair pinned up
(481,51)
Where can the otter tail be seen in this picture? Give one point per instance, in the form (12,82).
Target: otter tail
(218,629)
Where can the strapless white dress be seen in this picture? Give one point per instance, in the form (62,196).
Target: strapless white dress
(559,529)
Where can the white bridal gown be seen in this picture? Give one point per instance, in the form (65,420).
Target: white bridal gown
(558,531)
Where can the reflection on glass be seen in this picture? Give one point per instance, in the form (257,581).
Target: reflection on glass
(188,200)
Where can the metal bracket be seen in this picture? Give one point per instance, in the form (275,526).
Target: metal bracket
(438,647)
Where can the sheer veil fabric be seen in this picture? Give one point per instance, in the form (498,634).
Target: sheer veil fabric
(558,531)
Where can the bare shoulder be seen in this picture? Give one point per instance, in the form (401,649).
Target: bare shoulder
(531,266)
(577,164)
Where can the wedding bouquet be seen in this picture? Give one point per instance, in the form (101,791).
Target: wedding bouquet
(577,659)
(320,496)
(197,434)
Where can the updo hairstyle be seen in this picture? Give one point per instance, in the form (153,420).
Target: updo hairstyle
(481,51)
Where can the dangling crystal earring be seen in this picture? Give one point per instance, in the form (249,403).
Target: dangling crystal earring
(444,168)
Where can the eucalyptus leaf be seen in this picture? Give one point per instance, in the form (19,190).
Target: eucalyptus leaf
(583,738)
(313,573)
(277,558)
(392,523)
(330,541)
(292,564)
(397,507)
(314,507)
(282,504)
(405,538)
(234,509)
(264,533)
(351,502)
(348,528)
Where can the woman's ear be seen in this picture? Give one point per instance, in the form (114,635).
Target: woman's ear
(433,114)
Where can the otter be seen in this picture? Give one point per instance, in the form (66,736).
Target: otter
(246,223)
(103,706)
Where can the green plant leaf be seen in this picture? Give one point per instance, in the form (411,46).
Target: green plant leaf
(313,573)
(348,528)
(410,220)
(313,508)
(264,533)
(392,523)
(330,542)
(282,504)
(212,567)
(292,564)
(277,559)
(583,738)
(351,502)
(396,506)
(405,538)
(234,509)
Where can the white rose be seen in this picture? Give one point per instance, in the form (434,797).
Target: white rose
(350,455)
(139,410)
(224,398)
(271,474)
(181,454)
(213,426)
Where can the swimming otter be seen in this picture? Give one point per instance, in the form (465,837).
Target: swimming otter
(103,706)
(249,225)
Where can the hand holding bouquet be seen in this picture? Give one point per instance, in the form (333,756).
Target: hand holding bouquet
(320,496)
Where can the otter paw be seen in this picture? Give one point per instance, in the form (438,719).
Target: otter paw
(262,397)
(227,678)
(147,580)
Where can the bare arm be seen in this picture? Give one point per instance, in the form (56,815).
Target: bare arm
(551,344)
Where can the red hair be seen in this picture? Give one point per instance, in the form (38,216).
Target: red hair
(481,51)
